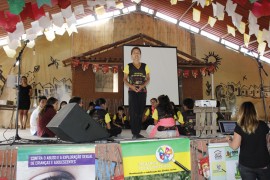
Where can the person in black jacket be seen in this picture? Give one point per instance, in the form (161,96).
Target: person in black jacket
(100,115)
(250,134)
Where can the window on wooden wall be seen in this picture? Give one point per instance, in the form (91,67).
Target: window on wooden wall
(106,82)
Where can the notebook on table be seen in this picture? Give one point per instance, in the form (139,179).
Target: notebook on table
(227,127)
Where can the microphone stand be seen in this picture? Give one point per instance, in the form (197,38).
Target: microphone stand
(261,86)
(18,59)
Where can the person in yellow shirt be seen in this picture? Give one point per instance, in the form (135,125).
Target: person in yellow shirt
(100,115)
(120,118)
(136,77)
(163,115)
(178,117)
(148,119)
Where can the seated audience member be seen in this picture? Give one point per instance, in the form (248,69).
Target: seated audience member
(90,107)
(189,118)
(62,104)
(164,120)
(34,116)
(178,117)
(120,118)
(45,116)
(250,134)
(100,115)
(77,100)
(148,119)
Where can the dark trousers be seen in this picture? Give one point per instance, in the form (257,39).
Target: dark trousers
(254,173)
(137,103)
(114,131)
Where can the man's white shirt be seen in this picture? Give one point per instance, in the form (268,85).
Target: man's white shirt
(34,120)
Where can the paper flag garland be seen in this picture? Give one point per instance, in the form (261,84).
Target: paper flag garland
(32,11)
(42,2)
(63,4)
(16,6)
(78,9)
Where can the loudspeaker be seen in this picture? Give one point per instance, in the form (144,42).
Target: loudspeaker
(73,124)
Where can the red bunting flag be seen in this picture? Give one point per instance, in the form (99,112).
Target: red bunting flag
(186,73)
(261,9)
(95,67)
(115,69)
(211,69)
(85,65)
(203,71)
(105,69)
(240,2)
(63,4)
(195,73)
(179,72)
(32,11)
(75,63)
(11,21)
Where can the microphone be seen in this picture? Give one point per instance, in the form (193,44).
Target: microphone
(26,41)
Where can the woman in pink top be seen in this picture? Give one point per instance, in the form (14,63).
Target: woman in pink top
(163,115)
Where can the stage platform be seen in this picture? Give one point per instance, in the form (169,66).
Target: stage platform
(108,155)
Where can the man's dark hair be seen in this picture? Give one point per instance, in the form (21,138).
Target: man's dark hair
(75,99)
(41,98)
(91,104)
(189,103)
(100,101)
(137,49)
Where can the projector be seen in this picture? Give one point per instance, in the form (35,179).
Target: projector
(206,103)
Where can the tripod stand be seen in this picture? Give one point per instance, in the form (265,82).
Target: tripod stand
(261,87)
(18,60)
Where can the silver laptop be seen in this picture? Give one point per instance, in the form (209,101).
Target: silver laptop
(227,127)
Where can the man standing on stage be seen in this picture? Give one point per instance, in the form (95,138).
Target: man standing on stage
(136,77)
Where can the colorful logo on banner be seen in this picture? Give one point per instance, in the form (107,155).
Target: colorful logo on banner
(59,162)
(223,161)
(156,157)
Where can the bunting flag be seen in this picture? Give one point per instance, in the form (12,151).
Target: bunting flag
(42,2)
(16,6)
(32,11)
(261,9)
(63,4)
(95,67)
(240,2)
(173,2)
(11,22)
(186,73)
(246,39)
(231,30)
(75,63)
(179,72)
(85,65)
(230,7)
(105,69)
(212,21)
(195,73)
(79,9)
(261,48)
(115,69)
(196,15)
(10,52)
(242,27)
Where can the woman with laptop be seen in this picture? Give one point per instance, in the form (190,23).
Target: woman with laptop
(250,135)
